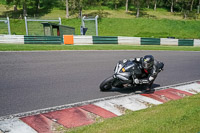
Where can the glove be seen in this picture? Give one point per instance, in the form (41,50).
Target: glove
(125,60)
(136,81)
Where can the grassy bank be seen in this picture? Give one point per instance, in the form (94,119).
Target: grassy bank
(141,27)
(180,116)
(30,47)
(155,24)
(144,27)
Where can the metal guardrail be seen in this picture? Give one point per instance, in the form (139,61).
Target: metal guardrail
(39,20)
(7,21)
(91,19)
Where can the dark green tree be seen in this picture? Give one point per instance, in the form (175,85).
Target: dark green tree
(33,5)
(126,5)
(138,5)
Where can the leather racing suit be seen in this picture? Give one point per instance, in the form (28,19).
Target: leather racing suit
(148,76)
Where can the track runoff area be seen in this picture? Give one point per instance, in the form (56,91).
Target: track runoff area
(87,112)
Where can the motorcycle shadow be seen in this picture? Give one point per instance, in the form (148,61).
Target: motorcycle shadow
(137,89)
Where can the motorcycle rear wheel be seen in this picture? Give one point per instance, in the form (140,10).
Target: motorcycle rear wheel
(106,84)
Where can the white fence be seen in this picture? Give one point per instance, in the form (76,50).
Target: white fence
(167,41)
(129,40)
(88,40)
(14,39)
(83,40)
(196,42)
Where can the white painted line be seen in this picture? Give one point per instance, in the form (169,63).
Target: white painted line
(15,126)
(191,88)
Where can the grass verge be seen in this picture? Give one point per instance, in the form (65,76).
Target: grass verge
(141,27)
(33,47)
(156,24)
(181,116)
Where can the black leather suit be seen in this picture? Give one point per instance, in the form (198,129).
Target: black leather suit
(148,76)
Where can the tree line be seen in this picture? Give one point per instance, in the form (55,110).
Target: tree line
(184,6)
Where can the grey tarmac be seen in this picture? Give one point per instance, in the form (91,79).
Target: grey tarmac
(40,79)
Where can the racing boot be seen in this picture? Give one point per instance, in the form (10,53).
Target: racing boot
(149,90)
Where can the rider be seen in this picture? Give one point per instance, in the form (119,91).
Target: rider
(150,68)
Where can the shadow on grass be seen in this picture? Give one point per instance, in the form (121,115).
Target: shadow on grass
(100,13)
(143,13)
(31,13)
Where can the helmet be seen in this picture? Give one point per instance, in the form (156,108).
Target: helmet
(148,61)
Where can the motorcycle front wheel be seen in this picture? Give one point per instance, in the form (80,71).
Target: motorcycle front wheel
(106,84)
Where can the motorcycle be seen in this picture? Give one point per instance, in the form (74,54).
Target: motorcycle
(124,73)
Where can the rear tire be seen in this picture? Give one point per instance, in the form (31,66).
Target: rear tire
(106,84)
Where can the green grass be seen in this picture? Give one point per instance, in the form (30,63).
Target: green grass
(141,27)
(155,24)
(181,116)
(31,47)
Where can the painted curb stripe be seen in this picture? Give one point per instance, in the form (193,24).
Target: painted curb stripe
(129,103)
(15,126)
(191,88)
(167,94)
(110,106)
(160,98)
(146,100)
(179,92)
(71,117)
(198,82)
(119,105)
(98,111)
(79,116)
(39,122)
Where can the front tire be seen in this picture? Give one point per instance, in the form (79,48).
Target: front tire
(106,84)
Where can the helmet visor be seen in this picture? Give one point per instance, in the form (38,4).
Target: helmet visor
(146,65)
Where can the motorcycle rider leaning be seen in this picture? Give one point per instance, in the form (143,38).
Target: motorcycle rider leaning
(150,69)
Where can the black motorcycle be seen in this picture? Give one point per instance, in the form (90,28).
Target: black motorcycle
(124,73)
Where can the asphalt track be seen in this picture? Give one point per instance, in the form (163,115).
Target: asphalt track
(36,80)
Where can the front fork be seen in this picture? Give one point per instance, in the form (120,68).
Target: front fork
(121,82)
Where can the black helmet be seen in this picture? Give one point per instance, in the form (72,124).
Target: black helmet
(148,61)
